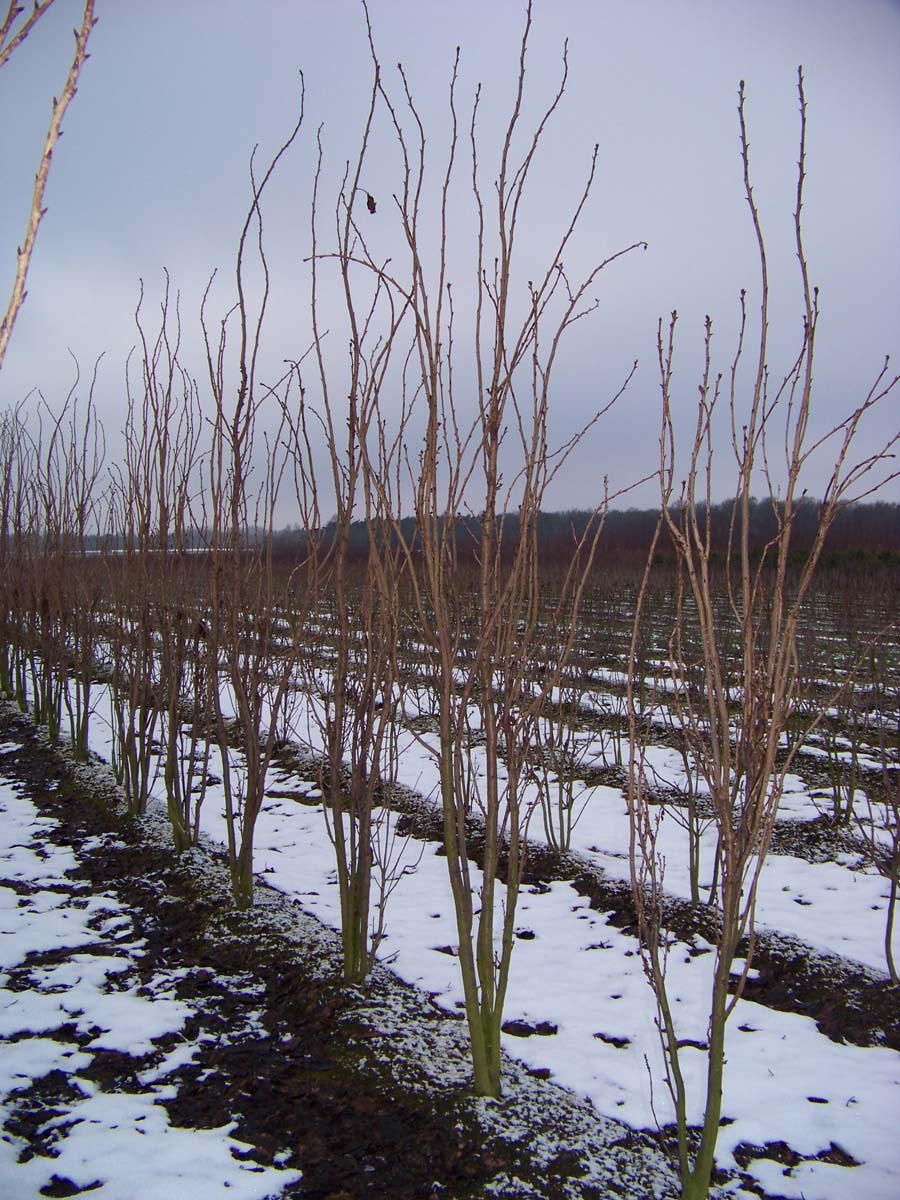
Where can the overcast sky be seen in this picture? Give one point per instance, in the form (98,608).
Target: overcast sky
(152,173)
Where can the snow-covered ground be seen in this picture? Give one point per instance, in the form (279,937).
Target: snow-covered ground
(785,1082)
(124,1140)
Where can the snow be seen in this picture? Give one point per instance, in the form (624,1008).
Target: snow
(122,1142)
(770,1073)
(126,1144)
(555,977)
(784,1081)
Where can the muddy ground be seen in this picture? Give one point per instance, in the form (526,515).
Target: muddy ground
(288,1054)
(297,1072)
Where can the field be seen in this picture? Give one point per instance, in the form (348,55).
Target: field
(438,842)
(812,1077)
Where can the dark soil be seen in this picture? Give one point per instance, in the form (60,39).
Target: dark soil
(848,1003)
(819,840)
(295,1082)
(299,1080)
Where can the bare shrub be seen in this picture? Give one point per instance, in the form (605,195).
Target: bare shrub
(476,466)
(253,634)
(735,728)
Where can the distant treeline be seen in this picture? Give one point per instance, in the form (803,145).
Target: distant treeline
(865,532)
(862,531)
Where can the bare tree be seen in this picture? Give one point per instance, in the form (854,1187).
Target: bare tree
(357,688)
(16,467)
(132,638)
(481,643)
(879,822)
(171,420)
(83,590)
(557,752)
(12,34)
(735,729)
(252,639)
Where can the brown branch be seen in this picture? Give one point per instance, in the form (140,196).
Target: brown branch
(14,11)
(54,131)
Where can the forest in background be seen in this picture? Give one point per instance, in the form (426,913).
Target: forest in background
(863,536)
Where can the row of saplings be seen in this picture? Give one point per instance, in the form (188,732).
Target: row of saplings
(101,572)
